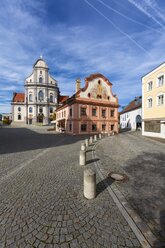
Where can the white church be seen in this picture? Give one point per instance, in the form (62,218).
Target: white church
(40,99)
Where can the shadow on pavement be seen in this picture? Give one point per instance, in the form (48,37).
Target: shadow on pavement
(92,160)
(102,185)
(22,139)
(146,191)
(161,243)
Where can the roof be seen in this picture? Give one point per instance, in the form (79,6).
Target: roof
(97,75)
(162,64)
(40,63)
(135,104)
(63,98)
(19,97)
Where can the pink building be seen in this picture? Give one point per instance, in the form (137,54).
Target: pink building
(92,109)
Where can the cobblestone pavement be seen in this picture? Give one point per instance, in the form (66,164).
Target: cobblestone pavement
(143,161)
(41,196)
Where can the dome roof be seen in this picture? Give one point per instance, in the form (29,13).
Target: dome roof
(40,63)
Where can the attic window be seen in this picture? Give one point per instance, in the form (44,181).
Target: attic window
(89,94)
(99,82)
(108,97)
(30,80)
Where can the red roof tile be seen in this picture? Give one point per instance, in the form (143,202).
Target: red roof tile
(19,97)
(63,98)
(135,104)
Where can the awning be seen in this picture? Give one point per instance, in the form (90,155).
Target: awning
(53,122)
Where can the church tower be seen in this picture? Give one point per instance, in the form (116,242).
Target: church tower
(41,94)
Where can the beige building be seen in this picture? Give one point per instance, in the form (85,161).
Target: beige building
(153,104)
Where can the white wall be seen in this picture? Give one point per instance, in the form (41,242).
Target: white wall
(22,113)
(130,117)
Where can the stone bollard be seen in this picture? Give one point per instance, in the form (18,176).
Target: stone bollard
(83,147)
(95,137)
(113,133)
(100,136)
(82,158)
(108,134)
(87,142)
(89,184)
(91,140)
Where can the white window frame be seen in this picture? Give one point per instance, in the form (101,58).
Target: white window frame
(158,81)
(150,83)
(148,103)
(157,98)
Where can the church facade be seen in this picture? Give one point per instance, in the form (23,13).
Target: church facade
(40,99)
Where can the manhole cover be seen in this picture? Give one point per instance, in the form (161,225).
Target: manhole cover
(118,176)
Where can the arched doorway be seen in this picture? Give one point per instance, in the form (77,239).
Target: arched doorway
(138,122)
(40,118)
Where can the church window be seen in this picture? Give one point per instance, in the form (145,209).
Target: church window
(30,109)
(51,97)
(41,95)
(40,80)
(40,110)
(19,117)
(19,109)
(30,98)
(40,72)
(51,110)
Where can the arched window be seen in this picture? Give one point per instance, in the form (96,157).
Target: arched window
(19,109)
(51,97)
(30,110)
(30,97)
(40,110)
(19,117)
(40,79)
(41,95)
(51,110)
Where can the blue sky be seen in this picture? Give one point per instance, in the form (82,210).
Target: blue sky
(122,39)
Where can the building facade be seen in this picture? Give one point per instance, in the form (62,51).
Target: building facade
(40,99)
(153,110)
(131,115)
(92,109)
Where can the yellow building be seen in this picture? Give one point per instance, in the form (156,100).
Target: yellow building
(153,102)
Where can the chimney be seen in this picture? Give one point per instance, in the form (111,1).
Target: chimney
(78,84)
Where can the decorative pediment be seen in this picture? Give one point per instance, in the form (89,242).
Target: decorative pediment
(97,88)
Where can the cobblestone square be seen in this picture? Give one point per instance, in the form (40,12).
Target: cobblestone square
(41,192)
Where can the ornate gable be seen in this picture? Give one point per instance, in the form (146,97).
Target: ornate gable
(97,88)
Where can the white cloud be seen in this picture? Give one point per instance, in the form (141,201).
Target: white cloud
(72,52)
(150,9)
